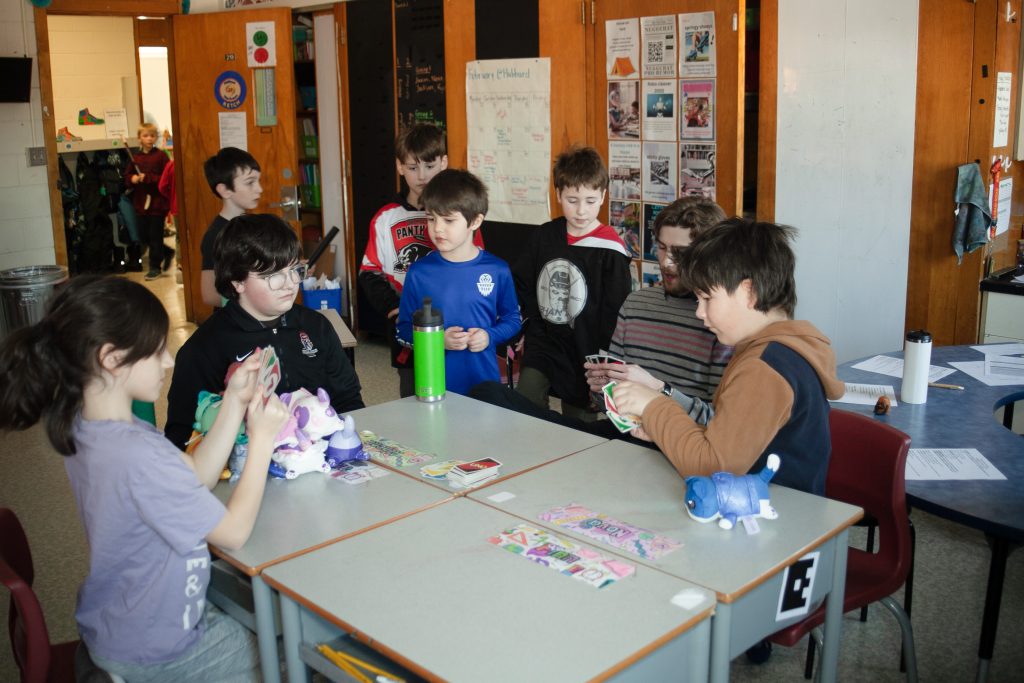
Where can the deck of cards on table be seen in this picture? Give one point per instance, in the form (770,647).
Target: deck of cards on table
(473,472)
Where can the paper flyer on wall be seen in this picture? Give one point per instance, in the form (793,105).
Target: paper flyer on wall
(622,41)
(634,276)
(659,110)
(697,104)
(1001,130)
(508,116)
(659,171)
(659,39)
(1003,210)
(624,109)
(650,274)
(650,247)
(697,56)
(624,170)
(625,218)
(231,128)
(697,170)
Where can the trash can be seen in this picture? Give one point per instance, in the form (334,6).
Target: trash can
(24,293)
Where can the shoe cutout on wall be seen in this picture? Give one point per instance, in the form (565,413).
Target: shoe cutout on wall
(87,119)
(65,135)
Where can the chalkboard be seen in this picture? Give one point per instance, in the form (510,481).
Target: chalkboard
(419,62)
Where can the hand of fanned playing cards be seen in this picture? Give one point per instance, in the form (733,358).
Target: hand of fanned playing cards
(623,423)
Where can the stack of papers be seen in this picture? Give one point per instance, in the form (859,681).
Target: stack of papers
(473,472)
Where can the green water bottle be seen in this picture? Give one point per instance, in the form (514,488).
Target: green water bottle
(428,352)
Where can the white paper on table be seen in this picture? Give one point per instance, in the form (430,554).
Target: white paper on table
(948,464)
(867,394)
(976,369)
(1000,349)
(887,365)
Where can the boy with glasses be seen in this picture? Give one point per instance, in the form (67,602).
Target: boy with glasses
(258,271)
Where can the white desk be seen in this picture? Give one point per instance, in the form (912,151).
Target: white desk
(300,515)
(462,428)
(638,486)
(431,593)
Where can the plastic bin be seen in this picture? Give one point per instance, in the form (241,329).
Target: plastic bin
(24,293)
(322,298)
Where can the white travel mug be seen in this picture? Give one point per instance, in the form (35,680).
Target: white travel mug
(917,359)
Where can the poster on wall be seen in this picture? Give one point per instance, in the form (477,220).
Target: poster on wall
(233,129)
(697,35)
(697,170)
(1001,131)
(624,170)
(659,171)
(508,116)
(624,109)
(659,110)
(116,122)
(650,246)
(625,218)
(650,274)
(659,55)
(697,102)
(622,48)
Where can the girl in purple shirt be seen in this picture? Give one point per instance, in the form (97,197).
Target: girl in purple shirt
(147,507)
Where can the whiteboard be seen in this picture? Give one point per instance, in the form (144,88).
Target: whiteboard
(847,73)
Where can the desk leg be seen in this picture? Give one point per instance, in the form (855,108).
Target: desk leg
(292,626)
(993,596)
(266,633)
(721,625)
(834,611)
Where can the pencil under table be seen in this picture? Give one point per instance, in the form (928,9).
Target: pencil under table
(964,419)
(297,516)
(432,594)
(750,574)
(462,428)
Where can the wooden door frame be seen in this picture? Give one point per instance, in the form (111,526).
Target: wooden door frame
(122,8)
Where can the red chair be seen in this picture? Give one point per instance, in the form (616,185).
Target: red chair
(867,469)
(37,659)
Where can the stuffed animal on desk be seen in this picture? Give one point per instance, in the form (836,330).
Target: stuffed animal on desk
(727,497)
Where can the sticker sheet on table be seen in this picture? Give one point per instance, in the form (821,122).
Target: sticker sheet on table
(601,527)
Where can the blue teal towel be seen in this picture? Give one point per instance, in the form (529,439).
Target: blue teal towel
(973,217)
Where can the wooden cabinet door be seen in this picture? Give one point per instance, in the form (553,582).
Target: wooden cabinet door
(729,32)
(205,47)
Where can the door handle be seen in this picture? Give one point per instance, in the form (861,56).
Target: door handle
(290,203)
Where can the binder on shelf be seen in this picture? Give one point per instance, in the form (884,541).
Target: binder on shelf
(307,96)
(310,147)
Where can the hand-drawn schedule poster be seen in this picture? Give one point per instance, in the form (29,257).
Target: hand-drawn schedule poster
(419,62)
(508,112)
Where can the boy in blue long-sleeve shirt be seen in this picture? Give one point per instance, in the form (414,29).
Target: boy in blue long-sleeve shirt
(473,289)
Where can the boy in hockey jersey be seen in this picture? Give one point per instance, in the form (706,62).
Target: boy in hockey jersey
(571,280)
(398,235)
(473,289)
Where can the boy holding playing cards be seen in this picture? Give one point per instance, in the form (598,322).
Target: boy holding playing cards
(257,270)
(774,393)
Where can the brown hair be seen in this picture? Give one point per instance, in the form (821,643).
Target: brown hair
(580,167)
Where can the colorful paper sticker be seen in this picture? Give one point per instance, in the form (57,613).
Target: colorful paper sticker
(600,527)
(562,555)
(229,90)
(391,452)
(358,471)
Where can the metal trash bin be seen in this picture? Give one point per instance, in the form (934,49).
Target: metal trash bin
(24,293)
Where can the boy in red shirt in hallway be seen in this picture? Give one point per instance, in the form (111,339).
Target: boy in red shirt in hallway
(150,204)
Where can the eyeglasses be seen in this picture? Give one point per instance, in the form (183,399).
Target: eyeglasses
(279,279)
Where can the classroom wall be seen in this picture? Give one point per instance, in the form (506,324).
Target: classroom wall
(154,80)
(92,60)
(847,77)
(25,228)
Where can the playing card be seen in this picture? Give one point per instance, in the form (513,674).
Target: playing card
(623,423)
(270,373)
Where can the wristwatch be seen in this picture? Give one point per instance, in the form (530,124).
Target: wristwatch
(667,389)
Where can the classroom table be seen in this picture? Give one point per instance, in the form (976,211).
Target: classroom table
(639,487)
(964,419)
(463,428)
(302,514)
(432,594)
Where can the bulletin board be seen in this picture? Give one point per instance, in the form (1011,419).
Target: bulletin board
(419,62)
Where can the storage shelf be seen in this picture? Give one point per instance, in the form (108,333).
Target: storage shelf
(67,146)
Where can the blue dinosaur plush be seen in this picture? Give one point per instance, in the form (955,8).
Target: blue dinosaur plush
(727,497)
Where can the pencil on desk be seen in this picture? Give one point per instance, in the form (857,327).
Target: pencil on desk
(938,385)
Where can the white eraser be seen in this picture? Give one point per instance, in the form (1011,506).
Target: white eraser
(501,497)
